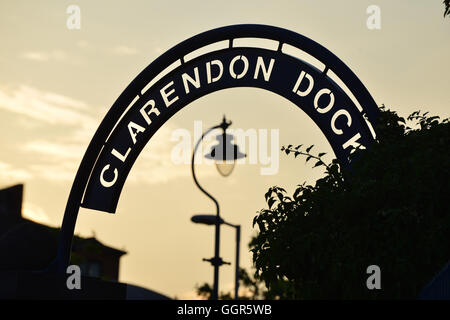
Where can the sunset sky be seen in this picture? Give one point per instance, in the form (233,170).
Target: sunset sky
(57,84)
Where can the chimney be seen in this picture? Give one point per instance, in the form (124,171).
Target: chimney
(10,205)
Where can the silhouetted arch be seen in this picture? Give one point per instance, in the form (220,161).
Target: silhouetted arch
(145,105)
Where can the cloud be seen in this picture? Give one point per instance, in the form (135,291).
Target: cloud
(54,160)
(154,164)
(124,51)
(35,213)
(82,44)
(59,172)
(11,174)
(44,106)
(43,56)
(63,101)
(35,56)
(55,150)
(59,160)
(73,126)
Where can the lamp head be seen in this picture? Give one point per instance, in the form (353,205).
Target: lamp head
(207,219)
(225,154)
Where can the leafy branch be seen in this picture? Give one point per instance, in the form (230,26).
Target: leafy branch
(391,207)
(424,121)
(297,151)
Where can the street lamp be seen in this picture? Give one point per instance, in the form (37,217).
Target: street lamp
(223,156)
(210,219)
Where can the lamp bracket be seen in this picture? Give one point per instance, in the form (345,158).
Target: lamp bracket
(217,261)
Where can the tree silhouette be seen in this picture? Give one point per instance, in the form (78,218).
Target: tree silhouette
(252,287)
(390,209)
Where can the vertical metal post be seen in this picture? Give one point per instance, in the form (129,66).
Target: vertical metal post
(238,240)
(216,261)
(215,293)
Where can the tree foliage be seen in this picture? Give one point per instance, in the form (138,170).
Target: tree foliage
(251,288)
(447,7)
(390,208)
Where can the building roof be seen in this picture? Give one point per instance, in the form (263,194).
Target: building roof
(80,244)
(28,245)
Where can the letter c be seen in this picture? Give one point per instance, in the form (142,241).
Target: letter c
(105,183)
(341,112)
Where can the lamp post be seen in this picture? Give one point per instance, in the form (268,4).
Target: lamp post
(212,220)
(223,166)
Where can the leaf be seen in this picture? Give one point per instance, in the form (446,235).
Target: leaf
(296,153)
(280,196)
(322,154)
(270,202)
(433,118)
(297,193)
(287,151)
(318,163)
(308,158)
(309,148)
(297,147)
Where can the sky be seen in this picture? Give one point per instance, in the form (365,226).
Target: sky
(56,84)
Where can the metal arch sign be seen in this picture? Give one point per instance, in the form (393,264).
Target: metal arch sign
(145,106)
